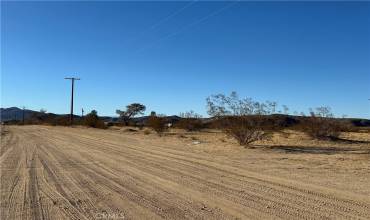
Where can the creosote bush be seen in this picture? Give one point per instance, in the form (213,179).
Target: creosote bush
(158,124)
(247,129)
(242,119)
(92,120)
(190,121)
(322,124)
(190,124)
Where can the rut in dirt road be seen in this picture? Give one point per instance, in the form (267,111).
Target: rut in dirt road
(76,173)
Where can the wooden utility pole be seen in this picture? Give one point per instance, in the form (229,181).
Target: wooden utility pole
(73,85)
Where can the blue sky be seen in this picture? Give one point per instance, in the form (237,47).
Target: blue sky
(171,55)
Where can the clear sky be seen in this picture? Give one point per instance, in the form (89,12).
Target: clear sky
(171,55)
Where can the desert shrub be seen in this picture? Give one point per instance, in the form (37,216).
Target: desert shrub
(190,124)
(321,128)
(247,129)
(146,132)
(158,124)
(190,121)
(322,124)
(243,119)
(92,120)
(61,120)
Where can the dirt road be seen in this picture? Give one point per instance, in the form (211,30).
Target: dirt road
(76,173)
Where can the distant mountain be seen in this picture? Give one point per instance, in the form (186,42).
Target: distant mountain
(14,113)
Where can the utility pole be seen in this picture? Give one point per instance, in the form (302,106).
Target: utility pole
(82,112)
(73,84)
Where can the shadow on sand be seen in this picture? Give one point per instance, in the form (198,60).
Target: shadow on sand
(318,150)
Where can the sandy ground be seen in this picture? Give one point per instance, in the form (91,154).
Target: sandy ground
(79,173)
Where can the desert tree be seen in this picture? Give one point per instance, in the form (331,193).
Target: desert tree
(43,111)
(241,118)
(131,111)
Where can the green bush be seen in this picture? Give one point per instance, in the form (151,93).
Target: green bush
(92,120)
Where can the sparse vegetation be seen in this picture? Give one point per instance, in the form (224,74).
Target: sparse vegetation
(131,111)
(322,125)
(61,120)
(246,129)
(245,120)
(190,121)
(241,118)
(92,120)
(158,124)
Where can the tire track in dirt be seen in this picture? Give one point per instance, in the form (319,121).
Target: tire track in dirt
(206,184)
(346,210)
(143,200)
(337,208)
(64,173)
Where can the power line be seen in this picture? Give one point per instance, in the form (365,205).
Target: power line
(163,20)
(73,83)
(190,25)
(173,14)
